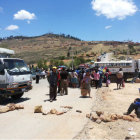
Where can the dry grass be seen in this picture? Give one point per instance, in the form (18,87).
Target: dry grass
(34,49)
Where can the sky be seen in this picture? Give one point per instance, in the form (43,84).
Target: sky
(89,20)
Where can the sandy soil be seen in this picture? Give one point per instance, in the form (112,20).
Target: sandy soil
(24,124)
(113,101)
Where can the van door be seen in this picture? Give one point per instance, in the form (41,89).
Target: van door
(2,76)
(139,64)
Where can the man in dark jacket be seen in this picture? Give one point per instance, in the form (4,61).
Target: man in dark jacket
(134,106)
(53,79)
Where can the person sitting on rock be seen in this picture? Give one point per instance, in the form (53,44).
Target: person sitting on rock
(134,106)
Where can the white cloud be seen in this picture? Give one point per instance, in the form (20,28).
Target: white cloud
(119,9)
(23,14)
(12,27)
(28,21)
(108,27)
(1,9)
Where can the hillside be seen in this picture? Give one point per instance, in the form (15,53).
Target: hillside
(52,46)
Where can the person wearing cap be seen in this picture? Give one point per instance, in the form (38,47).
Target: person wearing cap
(53,79)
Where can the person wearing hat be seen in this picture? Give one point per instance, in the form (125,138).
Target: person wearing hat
(85,84)
(53,79)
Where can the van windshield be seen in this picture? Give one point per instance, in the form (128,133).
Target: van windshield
(16,67)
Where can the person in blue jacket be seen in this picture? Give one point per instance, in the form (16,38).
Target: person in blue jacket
(134,106)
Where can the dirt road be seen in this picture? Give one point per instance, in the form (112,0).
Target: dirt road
(24,124)
(113,101)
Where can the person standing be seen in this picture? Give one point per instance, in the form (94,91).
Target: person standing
(64,82)
(119,78)
(101,78)
(107,77)
(85,84)
(53,79)
(74,79)
(37,76)
(96,78)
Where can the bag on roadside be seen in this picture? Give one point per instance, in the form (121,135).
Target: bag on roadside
(108,81)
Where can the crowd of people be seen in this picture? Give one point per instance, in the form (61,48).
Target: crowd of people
(61,78)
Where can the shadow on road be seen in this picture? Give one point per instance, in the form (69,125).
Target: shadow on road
(47,100)
(5,101)
(84,97)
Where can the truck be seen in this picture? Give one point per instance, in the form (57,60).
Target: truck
(129,67)
(15,76)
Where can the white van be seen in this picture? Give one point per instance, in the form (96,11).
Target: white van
(15,77)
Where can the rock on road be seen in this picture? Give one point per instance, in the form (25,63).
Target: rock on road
(25,124)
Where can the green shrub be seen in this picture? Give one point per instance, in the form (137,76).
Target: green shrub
(61,57)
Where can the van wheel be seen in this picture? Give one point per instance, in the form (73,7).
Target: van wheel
(17,96)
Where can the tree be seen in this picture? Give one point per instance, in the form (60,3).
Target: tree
(130,46)
(68,54)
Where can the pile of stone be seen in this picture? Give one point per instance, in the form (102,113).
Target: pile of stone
(100,116)
(10,107)
(39,109)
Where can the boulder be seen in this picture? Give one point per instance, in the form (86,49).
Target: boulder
(98,121)
(105,118)
(114,117)
(19,106)
(11,106)
(4,109)
(128,118)
(133,115)
(45,112)
(88,116)
(69,107)
(79,111)
(94,116)
(59,113)
(99,113)
(53,111)
(38,109)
